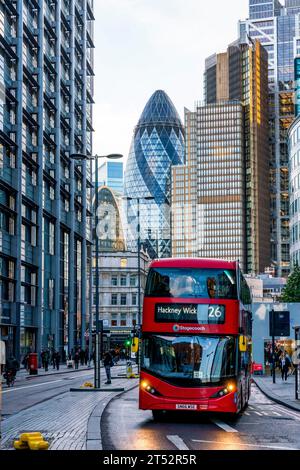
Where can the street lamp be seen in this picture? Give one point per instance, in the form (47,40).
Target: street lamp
(80,157)
(138,199)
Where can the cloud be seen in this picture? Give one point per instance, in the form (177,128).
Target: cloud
(143,45)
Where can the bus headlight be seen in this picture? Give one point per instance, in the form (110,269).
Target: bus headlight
(230,387)
(148,388)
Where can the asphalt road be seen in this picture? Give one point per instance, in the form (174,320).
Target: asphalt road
(34,390)
(265,425)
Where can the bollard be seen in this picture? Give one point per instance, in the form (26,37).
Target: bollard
(31,441)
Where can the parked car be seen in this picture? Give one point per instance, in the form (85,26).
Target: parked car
(257,369)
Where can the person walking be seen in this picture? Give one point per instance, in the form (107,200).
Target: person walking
(57,360)
(45,359)
(86,356)
(76,359)
(82,356)
(53,355)
(285,364)
(108,363)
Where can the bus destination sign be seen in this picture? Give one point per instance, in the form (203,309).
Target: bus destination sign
(201,314)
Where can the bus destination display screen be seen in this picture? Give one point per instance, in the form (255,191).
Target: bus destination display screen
(202,314)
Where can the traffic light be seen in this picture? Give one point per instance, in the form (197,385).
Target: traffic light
(127,343)
(135,345)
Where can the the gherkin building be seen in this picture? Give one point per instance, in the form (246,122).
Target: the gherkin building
(157,144)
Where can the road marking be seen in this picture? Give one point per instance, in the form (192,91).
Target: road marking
(246,413)
(247,445)
(290,413)
(275,413)
(178,442)
(31,386)
(223,426)
(258,413)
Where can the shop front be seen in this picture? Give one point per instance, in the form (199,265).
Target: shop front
(8,337)
(262,340)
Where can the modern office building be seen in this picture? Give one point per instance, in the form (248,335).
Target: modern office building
(241,74)
(294,189)
(111,175)
(223,187)
(219,230)
(266,288)
(110,230)
(46,51)
(158,143)
(276,26)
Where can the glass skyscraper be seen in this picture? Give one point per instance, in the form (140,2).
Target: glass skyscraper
(277,27)
(220,197)
(158,143)
(46,67)
(111,175)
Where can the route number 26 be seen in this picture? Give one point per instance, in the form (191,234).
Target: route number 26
(215,311)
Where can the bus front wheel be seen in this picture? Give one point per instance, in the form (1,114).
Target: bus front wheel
(158,415)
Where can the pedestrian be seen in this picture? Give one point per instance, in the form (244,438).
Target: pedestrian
(76,359)
(86,356)
(57,360)
(108,363)
(43,358)
(285,364)
(82,356)
(25,362)
(53,360)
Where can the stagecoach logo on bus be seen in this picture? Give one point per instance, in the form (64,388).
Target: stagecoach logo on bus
(177,328)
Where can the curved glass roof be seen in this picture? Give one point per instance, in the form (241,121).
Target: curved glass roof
(160,109)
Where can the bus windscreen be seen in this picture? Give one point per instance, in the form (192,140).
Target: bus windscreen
(190,360)
(191,283)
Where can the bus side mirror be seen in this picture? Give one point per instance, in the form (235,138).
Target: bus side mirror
(242,343)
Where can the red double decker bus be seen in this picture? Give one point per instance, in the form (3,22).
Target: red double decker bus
(196,337)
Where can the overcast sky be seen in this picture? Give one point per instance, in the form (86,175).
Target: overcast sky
(145,45)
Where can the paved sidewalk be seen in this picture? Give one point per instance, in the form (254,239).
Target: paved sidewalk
(281,392)
(70,421)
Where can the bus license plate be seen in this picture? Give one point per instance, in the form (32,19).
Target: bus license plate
(186,407)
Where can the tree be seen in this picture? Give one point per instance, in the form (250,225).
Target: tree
(291,292)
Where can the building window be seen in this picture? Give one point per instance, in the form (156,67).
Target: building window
(123,320)
(134,297)
(134,320)
(51,238)
(123,281)
(123,299)
(114,281)
(114,320)
(133,281)
(114,299)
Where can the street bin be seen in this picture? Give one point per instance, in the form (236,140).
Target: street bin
(33,363)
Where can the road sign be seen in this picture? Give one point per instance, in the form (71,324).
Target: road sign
(280,323)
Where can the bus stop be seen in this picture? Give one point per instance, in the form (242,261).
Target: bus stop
(297,362)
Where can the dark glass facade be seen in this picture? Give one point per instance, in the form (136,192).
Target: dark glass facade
(278,34)
(46,75)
